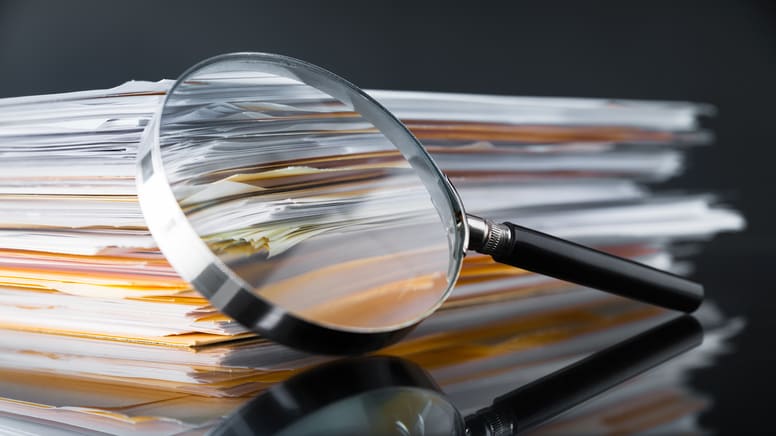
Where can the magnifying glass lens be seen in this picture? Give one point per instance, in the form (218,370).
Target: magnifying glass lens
(302,190)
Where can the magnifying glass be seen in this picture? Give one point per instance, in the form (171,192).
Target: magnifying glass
(388,395)
(303,209)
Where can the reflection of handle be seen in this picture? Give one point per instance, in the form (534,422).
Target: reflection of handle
(541,253)
(555,393)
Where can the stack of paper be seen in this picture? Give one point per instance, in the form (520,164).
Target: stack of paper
(84,291)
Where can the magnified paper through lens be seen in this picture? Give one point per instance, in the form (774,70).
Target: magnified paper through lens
(309,193)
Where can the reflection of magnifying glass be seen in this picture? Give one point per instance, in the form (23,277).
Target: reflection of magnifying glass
(387,395)
(304,210)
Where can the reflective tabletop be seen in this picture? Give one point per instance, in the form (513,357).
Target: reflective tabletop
(556,355)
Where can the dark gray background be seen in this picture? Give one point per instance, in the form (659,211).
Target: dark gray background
(712,51)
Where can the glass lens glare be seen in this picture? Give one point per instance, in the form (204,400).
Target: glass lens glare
(320,202)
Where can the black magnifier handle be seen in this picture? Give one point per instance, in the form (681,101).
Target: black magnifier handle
(545,398)
(541,253)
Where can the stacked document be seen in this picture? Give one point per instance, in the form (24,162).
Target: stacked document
(85,294)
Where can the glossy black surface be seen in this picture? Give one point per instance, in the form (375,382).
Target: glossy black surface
(553,394)
(340,384)
(715,51)
(545,254)
(322,386)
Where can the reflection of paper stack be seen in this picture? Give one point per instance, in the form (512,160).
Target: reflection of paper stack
(475,354)
(658,401)
(80,274)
